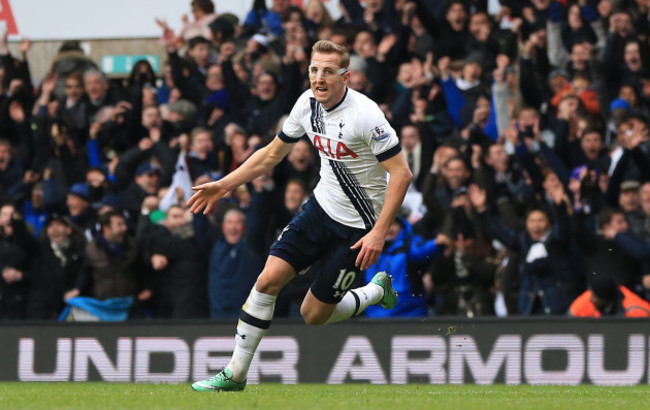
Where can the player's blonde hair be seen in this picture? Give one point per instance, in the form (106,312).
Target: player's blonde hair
(328,47)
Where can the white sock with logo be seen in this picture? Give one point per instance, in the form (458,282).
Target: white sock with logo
(254,321)
(356,301)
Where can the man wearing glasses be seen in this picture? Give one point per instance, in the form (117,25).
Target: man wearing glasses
(341,229)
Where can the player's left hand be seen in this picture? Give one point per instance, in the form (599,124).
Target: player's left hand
(371,246)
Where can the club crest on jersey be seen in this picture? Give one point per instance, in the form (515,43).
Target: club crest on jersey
(379,133)
(339,151)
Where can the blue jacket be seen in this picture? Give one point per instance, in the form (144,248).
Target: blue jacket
(408,250)
(265,20)
(231,276)
(232,269)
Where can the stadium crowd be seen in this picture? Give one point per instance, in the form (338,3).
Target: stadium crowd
(524,123)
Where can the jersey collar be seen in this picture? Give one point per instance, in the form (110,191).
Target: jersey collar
(335,106)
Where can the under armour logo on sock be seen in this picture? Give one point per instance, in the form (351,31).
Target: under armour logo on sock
(242,336)
(365,296)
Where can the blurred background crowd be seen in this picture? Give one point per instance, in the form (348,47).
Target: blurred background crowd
(523,122)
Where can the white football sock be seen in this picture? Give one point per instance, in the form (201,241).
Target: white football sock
(254,321)
(356,301)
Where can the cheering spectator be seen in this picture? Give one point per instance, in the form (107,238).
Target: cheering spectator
(60,258)
(114,266)
(179,290)
(546,280)
(403,255)
(233,263)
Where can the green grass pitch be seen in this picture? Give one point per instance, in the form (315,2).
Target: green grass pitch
(319,396)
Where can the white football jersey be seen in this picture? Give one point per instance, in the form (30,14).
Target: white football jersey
(352,138)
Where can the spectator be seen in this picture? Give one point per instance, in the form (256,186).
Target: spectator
(455,174)
(59,260)
(403,255)
(78,203)
(233,263)
(16,246)
(11,170)
(546,280)
(114,265)
(644,198)
(575,30)
(461,281)
(179,290)
(419,153)
(454,32)
(260,114)
(34,210)
(73,108)
(71,58)
(602,254)
(204,14)
(98,92)
(629,202)
(299,164)
(317,13)
(202,159)
(261,17)
(146,182)
(606,298)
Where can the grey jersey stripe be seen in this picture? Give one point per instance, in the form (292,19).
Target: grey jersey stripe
(355,192)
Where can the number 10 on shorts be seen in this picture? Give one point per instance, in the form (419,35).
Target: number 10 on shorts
(343,282)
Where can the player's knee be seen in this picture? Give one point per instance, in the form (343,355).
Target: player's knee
(312,316)
(268,284)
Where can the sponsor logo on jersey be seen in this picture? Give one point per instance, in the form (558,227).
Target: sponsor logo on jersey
(337,151)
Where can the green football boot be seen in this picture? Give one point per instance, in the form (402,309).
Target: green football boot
(386,282)
(221,382)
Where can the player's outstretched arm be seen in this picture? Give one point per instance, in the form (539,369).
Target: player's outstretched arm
(373,242)
(262,160)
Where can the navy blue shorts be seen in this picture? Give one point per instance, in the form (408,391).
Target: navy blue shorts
(314,240)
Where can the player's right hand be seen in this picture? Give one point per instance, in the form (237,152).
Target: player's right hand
(206,197)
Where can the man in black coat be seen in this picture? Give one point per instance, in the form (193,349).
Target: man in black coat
(181,275)
(16,244)
(60,258)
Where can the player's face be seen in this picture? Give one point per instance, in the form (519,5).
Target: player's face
(326,81)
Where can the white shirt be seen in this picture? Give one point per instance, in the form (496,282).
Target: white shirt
(352,138)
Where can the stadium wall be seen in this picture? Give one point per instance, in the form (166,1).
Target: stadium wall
(517,351)
(42,53)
